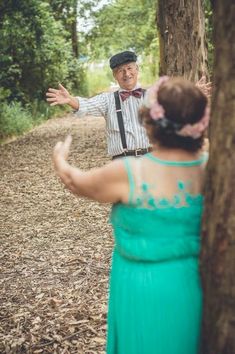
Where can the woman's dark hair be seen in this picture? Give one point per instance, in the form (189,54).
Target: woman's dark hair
(184,104)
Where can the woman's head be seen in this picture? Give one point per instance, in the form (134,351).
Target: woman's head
(175,114)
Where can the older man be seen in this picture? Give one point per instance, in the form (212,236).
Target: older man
(125,136)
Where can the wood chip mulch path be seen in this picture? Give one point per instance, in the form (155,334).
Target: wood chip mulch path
(55,249)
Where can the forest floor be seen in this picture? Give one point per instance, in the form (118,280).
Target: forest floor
(55,249)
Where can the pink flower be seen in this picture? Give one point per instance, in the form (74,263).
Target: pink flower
(156,110)
(195,130)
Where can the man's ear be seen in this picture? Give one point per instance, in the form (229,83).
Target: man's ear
(114,74)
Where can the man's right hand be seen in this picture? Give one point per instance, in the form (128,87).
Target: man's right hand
(61,96)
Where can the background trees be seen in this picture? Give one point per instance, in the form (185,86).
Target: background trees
(38,50)
(35,50)
(50,41)
(121,25)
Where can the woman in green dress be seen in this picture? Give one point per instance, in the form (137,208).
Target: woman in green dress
(155,300)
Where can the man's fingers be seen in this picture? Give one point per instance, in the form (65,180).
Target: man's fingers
(62,87)
(50,94)
(51,99)
(202,80)
(53,90)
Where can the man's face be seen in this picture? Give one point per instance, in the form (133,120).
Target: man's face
(126,75)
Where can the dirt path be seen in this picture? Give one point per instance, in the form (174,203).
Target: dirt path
(55,249)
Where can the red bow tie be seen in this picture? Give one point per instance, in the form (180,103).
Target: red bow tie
(136,93)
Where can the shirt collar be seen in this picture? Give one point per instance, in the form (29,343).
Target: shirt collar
(136,87)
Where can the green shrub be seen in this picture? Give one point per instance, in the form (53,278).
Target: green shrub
(99,78)
(14,119)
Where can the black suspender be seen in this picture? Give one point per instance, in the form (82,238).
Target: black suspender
(120,118)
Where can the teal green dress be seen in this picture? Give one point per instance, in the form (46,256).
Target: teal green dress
(155,299)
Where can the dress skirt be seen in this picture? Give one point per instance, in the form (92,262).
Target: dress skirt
(154,307)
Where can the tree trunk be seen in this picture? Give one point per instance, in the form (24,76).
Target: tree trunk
(74,35)
(218,236)
(181,25)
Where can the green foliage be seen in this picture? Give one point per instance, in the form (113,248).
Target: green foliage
(209,34)
(118,26)
(123,25)
(38,49)
(149,65)
(99,78)
(65,11)
(36,52)
(14,120)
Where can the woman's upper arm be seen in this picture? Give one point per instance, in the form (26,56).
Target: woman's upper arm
(108,184)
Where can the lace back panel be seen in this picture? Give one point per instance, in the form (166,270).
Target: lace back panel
(158,183)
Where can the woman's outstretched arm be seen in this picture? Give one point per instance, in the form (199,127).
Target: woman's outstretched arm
(108,184)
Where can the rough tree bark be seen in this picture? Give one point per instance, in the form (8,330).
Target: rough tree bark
(218,248)
(181,26)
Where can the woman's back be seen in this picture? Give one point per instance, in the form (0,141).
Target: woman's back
(163,217)
(154,277)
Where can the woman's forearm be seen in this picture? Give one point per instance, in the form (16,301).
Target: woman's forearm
(65,172)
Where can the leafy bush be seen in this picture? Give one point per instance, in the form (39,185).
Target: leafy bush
(14,120)
(35,51)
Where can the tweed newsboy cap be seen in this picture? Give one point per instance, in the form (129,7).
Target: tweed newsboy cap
(122,58)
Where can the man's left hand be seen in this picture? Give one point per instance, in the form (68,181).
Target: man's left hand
(204,86)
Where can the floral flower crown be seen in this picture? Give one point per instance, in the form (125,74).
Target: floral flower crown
(157,113)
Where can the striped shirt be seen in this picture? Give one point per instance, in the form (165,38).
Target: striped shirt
(104,105)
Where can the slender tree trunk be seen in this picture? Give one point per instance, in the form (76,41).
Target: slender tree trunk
(74,38)
(218,249)
(181,25)
(74,35)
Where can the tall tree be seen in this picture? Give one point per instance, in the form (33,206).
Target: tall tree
(120,25)
(181,26)
(218,252)
(66,11)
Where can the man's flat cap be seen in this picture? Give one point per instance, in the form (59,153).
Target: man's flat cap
(122,58)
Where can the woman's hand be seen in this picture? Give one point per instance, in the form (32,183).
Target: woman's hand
(62,167)
(61,96)
(61,151)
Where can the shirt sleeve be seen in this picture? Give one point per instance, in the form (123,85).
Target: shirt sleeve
(94,106)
